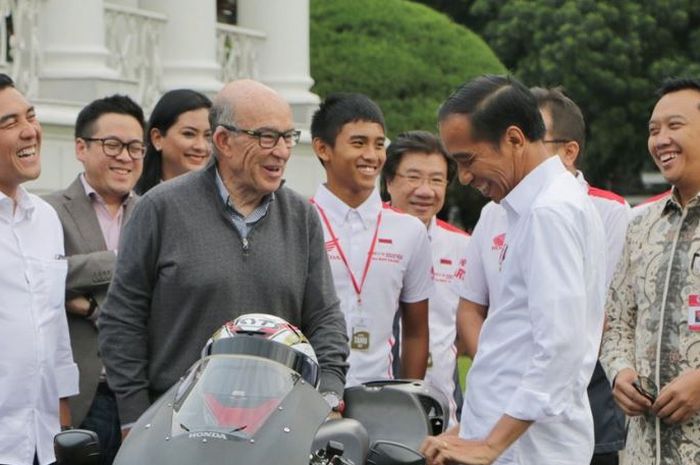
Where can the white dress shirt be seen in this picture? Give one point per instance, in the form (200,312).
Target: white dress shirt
(487,243)
(489,237)
(448,245)
(399,271)
(36,367)
(539,344)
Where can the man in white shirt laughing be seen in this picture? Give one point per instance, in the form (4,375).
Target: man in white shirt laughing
(36,367)
(564,137)
(526,400)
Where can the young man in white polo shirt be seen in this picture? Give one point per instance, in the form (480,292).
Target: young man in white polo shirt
(380,258)
(565,137)
(416,173)
(526,398)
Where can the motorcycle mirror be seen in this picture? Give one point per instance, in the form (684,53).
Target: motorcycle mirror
(393,453)
(77,447)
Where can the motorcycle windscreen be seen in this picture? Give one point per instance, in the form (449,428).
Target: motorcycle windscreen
(233,395)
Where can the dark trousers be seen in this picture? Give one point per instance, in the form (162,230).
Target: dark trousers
(103,419)
(611,458)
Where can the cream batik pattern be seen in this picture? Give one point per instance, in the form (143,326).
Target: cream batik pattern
(657,278)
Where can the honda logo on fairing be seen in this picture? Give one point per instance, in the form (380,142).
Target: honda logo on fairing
(207,434)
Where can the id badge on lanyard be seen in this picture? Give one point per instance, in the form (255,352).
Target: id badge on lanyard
(359,323)
(360,333)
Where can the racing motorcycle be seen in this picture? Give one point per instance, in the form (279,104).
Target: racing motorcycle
(252,399)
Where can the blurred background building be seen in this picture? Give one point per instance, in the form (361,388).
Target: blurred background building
(66,53)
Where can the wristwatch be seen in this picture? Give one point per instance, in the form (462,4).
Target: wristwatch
(334,401)
(93,306)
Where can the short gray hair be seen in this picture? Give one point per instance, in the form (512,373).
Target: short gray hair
(221,112)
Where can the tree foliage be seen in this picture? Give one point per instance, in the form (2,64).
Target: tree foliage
(610,56)
(405,56)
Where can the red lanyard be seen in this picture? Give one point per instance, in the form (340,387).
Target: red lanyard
(334,239)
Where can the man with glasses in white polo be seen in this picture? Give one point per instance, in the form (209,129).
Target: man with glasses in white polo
(211,245)
(109,143)
(416,173)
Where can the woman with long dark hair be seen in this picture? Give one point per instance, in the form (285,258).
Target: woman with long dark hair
(178,137)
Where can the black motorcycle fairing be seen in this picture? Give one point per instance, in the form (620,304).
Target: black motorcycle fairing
(347,431)
(393,453)
(403,411)
(284,437)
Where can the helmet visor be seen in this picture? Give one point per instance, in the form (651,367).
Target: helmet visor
(271,350)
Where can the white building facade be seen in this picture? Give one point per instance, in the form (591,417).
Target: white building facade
(65,53)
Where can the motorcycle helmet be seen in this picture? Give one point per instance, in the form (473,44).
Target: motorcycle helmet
(267,336)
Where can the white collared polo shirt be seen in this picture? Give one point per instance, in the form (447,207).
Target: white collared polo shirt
(448,245)
(399,271)
(615,213)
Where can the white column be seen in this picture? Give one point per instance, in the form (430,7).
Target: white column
(284,56)
(73,40)
(188,43)
(75,60)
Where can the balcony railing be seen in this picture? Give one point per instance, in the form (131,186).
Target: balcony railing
(132,37)
(237,51)
(19,43)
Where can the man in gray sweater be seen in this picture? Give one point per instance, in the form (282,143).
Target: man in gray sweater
(214,244)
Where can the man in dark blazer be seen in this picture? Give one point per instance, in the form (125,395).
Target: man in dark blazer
(109,141)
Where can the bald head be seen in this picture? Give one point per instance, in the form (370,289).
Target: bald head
(253,136)
(245,101)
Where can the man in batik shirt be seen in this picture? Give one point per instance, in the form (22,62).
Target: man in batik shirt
(651,349)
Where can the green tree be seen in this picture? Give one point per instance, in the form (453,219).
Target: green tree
(610,56)
(405,56)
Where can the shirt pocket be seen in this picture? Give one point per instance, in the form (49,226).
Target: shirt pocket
(49,287)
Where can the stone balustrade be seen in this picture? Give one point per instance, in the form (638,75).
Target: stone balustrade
(132,37)
(237,50)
